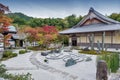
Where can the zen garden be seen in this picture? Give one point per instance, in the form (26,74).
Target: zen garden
(71,48)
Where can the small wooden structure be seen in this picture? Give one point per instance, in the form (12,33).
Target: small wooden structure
(18,39)
(15,38)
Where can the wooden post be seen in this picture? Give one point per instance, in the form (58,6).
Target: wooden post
(111,39)
(103,40)
(70,41)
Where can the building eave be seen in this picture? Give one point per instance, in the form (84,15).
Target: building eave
(92,28)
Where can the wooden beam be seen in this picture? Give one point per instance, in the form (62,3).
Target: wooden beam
(111,38)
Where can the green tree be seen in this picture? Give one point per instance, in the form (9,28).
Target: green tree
(72,20)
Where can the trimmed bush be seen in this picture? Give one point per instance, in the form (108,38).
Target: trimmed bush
(37,48)
(14,54)
(45,60)
(2,69)
(22,51)
(112,61)
(9,54)
(8,76)
(94,52)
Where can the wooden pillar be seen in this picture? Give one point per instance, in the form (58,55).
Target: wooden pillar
(111,39)
(86,38)
(70,41)
(78,40)
(103,40)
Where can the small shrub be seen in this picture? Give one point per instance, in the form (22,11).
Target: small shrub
(22,51)
(8,76)
(2,69)
(14,54)
(45,60)
(94,52)
(34,48)
(9,54)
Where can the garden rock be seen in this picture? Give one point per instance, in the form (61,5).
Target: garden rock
(88,59)
(70,62)
(86,49)
(44,53)
(57,51)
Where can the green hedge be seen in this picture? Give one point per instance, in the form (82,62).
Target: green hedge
(94,52)
(37,48)
(112,61)
(9,54)
(22,51)
(9,76)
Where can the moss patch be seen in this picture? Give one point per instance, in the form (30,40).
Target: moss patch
(94,52)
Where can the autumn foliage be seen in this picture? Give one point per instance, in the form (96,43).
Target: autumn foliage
(4,22)
(50,30)
(43,35)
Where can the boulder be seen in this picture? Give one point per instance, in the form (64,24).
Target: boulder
(70,62)
(86,49)
(44,53)
(88,59)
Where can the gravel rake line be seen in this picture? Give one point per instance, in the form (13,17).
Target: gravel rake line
(38,64)
(20,68)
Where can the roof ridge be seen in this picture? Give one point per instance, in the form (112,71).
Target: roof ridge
(106,18)
(99,16)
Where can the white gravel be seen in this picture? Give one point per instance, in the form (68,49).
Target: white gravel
(21,64)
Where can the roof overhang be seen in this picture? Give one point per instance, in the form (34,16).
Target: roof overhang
(91,28)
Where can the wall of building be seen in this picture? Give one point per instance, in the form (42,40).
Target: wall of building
(111,38)
(117,37)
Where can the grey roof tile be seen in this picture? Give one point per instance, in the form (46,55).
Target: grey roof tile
(92,28)
(107,25)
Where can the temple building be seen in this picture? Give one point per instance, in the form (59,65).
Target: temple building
(102,29)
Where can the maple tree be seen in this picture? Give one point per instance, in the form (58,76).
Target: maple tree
(50,35)
(43,35)
(32,33)
(50,30)
(4,20)
(4,23)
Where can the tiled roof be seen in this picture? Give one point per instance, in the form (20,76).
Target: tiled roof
(19,36)
(12,29)
(92,28)
(107,25)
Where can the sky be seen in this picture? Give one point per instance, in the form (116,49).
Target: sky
(61,8)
